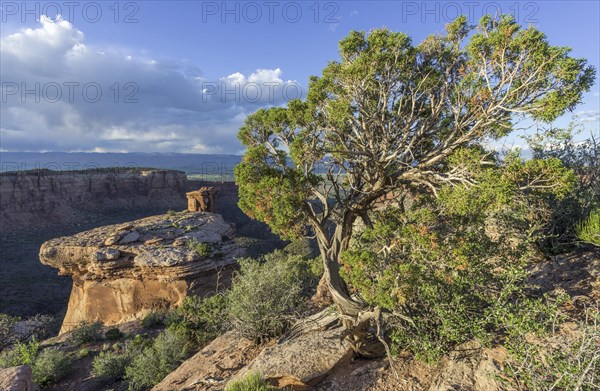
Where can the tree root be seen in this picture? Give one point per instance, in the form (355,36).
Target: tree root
(365,333)
(367,336)
(323,320)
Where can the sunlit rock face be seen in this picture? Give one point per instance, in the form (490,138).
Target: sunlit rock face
(122,272)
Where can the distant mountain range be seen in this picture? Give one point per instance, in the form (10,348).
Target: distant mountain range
(200,166)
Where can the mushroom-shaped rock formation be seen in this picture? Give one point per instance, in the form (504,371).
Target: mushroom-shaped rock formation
(121,272)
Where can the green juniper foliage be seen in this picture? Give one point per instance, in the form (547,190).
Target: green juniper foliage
(456,264)
(589,229)
(583,157)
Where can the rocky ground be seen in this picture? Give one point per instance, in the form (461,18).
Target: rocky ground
(320,361)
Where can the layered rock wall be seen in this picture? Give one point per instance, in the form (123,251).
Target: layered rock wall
(34,199)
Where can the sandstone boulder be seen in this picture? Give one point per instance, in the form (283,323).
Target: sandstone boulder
(17,379)
(121,272)
(301,362)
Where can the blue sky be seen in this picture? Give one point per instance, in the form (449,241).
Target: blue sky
(163,68)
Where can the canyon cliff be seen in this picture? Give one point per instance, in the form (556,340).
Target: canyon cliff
(121,272)
(39,198)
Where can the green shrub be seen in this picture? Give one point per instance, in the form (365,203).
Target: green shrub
(50,366)
(86,332)
(171,213)
(308,251)
(266,293)
(140,342)
(113,334)
(154,319)
(251,382)
(83,353)
(202,249)
(20,354)
(581,155)
(112,364)
(201,318)
(304,248)
(589,230)
(150,366)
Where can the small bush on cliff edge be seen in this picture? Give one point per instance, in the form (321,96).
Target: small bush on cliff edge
(201,318)
(154,319)
(20,354)
(149,367)
(112,364)
(266,294)
(113,334)
(48,366)
(202,249)
(86,332)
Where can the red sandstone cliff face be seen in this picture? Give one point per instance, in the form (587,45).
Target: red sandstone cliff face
(33,199)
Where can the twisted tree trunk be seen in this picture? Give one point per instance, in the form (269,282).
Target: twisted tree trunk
(363,324)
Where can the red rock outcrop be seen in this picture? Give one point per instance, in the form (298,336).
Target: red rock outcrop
(201,200)
(121,272)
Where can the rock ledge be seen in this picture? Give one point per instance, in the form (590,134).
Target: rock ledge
(121,272)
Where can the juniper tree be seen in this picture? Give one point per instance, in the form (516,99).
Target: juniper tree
(388,116)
